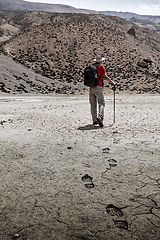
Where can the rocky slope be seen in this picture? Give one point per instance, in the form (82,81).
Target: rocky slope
(63,48)
(146,21)
(16,78)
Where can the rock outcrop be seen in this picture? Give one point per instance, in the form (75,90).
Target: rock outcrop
(132,31)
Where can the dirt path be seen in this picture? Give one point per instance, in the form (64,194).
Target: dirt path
(64,179)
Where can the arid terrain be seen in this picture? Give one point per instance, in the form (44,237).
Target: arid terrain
(62,45)
(17,79)
(64,179)
(145,21)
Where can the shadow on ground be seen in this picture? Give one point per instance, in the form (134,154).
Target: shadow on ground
(88,127)
(93,127)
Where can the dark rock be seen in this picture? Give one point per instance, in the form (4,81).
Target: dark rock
(69,147)
(132,31)
(148,60)
(1,32)
(142,64)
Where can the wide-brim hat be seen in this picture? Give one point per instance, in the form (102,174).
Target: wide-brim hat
(99,59)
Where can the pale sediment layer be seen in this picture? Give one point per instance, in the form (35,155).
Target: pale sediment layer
(63,178)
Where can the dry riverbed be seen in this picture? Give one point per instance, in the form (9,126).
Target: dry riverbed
(64,179)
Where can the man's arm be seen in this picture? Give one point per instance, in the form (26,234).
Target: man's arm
(108,79)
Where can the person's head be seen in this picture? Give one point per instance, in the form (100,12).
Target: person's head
(99,59)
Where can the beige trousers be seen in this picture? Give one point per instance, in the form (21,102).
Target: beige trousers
(96,95)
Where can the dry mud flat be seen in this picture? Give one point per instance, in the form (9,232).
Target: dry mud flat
(63,179)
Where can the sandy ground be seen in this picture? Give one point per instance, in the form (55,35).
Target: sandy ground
(64,179)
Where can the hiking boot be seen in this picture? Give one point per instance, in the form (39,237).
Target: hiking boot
(95,122)
(100,121)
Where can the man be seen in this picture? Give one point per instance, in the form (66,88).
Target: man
(96,93)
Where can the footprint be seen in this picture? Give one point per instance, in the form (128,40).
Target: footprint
(114,211)
(112,163)
(87,181)
(117,212)
(106,150)
(87,178)
(121,224)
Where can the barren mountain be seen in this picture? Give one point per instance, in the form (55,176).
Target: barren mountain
(20,5)
(64,44)
(146,21)
(150,22)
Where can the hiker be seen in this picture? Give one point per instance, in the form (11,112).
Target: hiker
(96,92)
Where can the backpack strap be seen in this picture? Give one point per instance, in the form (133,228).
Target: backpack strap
(99,78)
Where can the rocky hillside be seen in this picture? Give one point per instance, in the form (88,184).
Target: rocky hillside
(145,21)
(65,44)
(16,78)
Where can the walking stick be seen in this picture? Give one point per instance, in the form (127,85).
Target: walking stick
(114,106)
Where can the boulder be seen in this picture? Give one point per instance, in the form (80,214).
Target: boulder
(147,60)
(142,64)
(132,31)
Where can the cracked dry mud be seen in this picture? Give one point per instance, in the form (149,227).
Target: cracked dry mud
(49,152)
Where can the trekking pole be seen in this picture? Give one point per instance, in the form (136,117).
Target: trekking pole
(114,105)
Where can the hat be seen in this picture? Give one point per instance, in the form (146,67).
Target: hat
(99,59)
